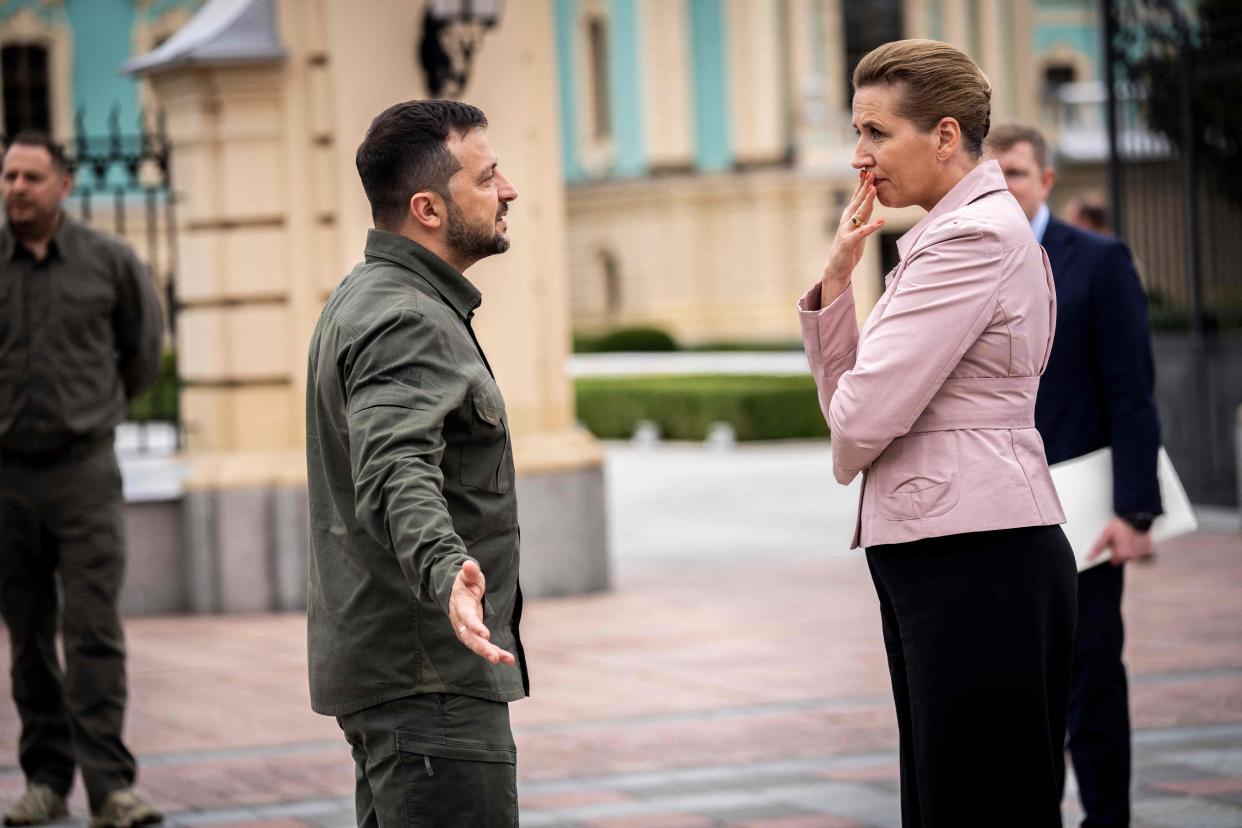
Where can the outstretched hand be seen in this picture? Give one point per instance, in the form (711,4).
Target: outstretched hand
(466,615)
(849,242)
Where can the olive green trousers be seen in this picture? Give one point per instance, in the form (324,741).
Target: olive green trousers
(61,535)
(434,761)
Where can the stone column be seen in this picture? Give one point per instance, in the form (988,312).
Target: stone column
(1024,78)
(957,24)
(916,18)
(758,102)
(667,101)
(271,216)
(238,334)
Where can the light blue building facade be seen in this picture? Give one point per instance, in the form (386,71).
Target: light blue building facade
(1061,42)
(87,40)
(63,59)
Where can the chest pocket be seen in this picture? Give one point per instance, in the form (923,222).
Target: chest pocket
(84,306)
(486,461)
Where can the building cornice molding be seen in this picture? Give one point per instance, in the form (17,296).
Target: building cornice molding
(221,33)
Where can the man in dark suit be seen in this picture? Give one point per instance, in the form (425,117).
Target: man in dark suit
(1097,391)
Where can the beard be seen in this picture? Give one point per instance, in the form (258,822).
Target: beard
(33,221)
(476,241)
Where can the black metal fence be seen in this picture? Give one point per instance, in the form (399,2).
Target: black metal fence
(123,184)
(1178,155)
(1175,160)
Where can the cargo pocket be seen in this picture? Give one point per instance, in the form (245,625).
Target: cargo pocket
(450,783)
(485,461)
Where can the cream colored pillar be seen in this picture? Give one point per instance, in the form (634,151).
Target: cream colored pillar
(1024,75)
(836,74)
(255,195)
(917,18)
(993,59)
(236,284)
(818,82)
(757,98)
(957,24)
(665,65)
(255,234)
(271,215)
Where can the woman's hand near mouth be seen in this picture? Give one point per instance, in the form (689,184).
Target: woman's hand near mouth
(849,242)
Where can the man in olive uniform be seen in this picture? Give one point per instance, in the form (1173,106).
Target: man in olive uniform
(80,334)
(413,510)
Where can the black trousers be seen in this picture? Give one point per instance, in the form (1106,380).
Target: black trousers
(63,522)
(1099,709)
(979,628)
(433,761)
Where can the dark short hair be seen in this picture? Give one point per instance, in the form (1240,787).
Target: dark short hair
(1094,214)
(406,152)
(38,138)
(1007,136)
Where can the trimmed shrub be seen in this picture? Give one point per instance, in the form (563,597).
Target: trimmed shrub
(758,407)
(756,346)
(625,339)
(159,402)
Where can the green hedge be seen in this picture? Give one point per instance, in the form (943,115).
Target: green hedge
(625,339)
(159,402)
(760,346)
(648,338)
(758,407)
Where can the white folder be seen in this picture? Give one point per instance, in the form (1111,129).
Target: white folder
(1085,486)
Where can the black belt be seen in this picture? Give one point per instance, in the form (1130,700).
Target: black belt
(75,449)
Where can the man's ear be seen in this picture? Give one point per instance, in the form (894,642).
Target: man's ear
(66,185)
(1048,178)
(427,209)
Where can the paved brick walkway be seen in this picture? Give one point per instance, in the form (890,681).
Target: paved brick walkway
(746,689)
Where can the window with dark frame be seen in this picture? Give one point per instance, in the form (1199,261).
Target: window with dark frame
(611,270)
(1055,76)
(866,26)
(27,88)
(601,105)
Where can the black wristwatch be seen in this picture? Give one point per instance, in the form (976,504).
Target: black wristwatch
(1141,521)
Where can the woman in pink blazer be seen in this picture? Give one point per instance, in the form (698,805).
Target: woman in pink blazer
(933,403)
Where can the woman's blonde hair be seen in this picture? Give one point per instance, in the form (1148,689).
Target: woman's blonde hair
(935,80)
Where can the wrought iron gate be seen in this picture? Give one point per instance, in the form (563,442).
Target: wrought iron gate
(1174,82)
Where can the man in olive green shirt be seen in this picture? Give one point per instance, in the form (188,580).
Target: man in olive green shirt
(80,336)
(414,600)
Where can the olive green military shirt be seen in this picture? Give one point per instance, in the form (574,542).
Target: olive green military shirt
(410,473)
(80,335)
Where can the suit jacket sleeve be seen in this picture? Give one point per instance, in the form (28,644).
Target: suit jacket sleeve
(943,300)
(1122,351)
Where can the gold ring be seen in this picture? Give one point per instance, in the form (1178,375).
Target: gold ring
(461,629)
(856,220)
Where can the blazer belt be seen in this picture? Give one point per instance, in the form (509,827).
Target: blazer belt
(980,403)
